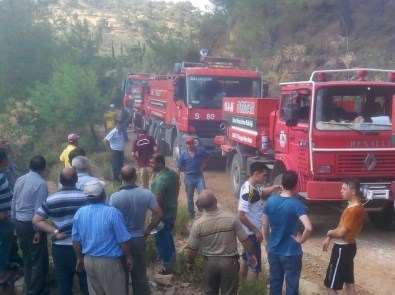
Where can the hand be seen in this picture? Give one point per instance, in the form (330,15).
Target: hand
(325,244)
(59,236)
(252,260)
(298,238)
(37,238)
(258,235)
(146,232)
(189,267)
(129,262)
(80,266)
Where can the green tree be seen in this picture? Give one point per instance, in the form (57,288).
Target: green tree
(27,48)
(71,99)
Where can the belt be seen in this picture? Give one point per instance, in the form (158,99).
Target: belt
(237,256)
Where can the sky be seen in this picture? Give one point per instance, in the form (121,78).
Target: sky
(202,4)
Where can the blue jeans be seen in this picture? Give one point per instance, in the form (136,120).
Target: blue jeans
(288,266)
(164,241)
(65,261)
(6,236)
(192,182)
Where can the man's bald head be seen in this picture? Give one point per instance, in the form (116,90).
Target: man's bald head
(128,174)
(207,200)
(68,177)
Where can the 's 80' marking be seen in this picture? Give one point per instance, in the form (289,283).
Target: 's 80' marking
(207,116)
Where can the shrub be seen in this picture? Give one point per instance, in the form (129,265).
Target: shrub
(253,287)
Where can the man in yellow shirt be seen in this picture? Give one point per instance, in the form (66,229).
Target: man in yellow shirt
(109,118)
(73,144)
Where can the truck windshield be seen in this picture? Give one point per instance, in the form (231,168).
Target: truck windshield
(362,108)
(208,91)
(136,89)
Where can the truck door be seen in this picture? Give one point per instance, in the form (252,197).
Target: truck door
(281,131)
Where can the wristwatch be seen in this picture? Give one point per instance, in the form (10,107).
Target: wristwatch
(56,231)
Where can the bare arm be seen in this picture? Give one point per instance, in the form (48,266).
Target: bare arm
(267,191)
(308,229)
(191,255)
(266,227)
(257,232)
(80,258)
(156,216)
(338,233)
(129,259)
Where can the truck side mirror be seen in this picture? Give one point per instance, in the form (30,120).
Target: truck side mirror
(179,88)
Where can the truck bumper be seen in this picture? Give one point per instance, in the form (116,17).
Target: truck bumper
(376,195)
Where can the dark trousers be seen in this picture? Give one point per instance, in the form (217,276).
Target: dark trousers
(65,261)
(117,159)
(139,271)
(220,273)
(35,258)
(6,235)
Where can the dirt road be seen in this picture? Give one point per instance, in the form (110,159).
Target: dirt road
(374,263)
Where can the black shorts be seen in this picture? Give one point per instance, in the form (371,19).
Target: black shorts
(341,266)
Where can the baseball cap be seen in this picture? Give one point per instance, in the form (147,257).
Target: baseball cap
(189,140)
(72,138)
(94,188)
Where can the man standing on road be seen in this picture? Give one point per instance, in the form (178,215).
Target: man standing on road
(115,143)
(81,165)
(100,239)
(29,194)
(251,202)
(134,202)
(282,214)
(341,266)
(144,146)
(61,208)
(216,231)
(72,140)
(165,187)
(192,162)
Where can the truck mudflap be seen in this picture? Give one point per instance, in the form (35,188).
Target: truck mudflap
(330,191)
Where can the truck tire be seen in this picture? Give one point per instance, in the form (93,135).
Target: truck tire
(385,219)
(277,173)
(160,141)
(237,174)
(175,150)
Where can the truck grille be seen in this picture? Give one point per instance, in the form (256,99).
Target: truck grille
(358,164)
(207,129)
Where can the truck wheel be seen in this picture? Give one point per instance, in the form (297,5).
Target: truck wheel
(160,142)
(237,174)
(277,173)
(385,219)
(175,150)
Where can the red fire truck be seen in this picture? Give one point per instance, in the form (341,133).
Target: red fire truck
(335,125)
(133,89)
(190,102)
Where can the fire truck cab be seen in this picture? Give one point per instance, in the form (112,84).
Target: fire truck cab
(338,124)
(190,102)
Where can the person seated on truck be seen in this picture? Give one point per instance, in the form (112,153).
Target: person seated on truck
(372,109)
(333,113)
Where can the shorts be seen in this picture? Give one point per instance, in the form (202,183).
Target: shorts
(258,254)
(341,266)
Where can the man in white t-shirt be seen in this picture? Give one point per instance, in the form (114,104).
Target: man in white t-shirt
(251,202)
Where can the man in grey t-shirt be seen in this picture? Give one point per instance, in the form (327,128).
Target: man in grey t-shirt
(134,202)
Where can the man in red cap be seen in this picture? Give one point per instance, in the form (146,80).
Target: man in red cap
(192,161)
(72,140)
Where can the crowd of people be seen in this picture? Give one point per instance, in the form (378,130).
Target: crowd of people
(102,239)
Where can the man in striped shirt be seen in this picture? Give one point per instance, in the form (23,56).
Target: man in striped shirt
(6,227)
(61,208)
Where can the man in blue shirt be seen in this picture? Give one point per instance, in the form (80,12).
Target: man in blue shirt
(192,162)
(115,143)
(100,239)
(282,214)
(81,165)
(30,192)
